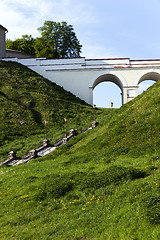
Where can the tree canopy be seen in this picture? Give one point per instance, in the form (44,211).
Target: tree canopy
(58,40)
(24,44)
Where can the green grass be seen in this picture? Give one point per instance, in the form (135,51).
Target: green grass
(28,98)
(53,199)
(101,185)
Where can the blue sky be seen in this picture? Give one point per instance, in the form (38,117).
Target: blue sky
(105,28)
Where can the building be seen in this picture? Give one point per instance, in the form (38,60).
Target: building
(3,32)
(13,53)
(9,53)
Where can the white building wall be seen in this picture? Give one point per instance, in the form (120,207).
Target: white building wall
(76,82)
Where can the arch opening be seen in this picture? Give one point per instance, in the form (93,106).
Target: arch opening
(106,89)
(143,86)
(147,80)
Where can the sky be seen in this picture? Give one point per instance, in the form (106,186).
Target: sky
(105,28)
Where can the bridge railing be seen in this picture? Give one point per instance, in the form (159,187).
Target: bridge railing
(82,63)
(145,63)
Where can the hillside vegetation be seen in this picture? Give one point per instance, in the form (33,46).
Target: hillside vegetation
(103,185)
(26,100)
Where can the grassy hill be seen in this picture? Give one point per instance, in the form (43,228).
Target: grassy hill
(104,184)
(26,100)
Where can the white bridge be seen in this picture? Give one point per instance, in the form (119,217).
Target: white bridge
(80,75)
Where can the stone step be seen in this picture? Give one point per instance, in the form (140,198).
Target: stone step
(45,151)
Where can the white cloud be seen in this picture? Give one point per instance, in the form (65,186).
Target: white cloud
(24,17)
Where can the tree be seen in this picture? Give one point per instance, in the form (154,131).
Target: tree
(58,40)
(24,44)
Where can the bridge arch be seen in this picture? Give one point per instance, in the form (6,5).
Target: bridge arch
(155,76)
(107,77)
(146,80)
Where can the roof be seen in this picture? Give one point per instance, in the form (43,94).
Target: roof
(5,29)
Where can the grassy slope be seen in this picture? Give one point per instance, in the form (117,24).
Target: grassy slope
(104,184)
(29,98)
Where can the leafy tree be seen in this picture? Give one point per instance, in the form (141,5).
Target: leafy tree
(24,44)
(58,40)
